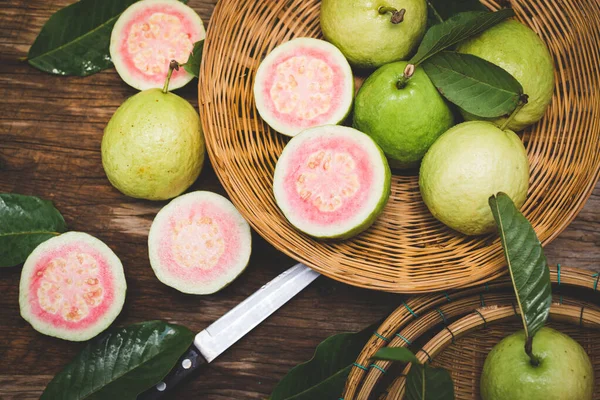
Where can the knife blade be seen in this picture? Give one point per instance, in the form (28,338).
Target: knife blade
(231,327)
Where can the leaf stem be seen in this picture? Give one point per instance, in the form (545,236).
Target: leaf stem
(174,65)
(435,13)
(397,16)
(522,101)
(533,359)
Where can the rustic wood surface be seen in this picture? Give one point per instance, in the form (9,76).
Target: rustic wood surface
(50,133)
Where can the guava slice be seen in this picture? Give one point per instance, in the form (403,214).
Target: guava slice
(72,287)
(148,35)
(332,182)
(199,243)
(303,83)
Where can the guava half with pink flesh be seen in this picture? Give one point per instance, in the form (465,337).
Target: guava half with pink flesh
(199,243)
(332,182)
(72,287)
(303,83)
(148,35)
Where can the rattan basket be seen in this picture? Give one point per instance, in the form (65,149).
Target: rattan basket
(456,330)
(406,250)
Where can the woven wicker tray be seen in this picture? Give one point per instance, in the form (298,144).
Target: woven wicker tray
(406,250)
(456,330)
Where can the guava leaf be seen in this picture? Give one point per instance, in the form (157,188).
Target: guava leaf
(121,363)
(324,376)
(526,262)
(474,84)
(441,10)
(76,39)
(401,354)
(193,63)
(456,29)
(25,222)
(427,383)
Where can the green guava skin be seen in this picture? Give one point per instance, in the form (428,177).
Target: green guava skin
(465,166)
(564,373)
(369,39)
(153,147)
(403,122)
(520,51)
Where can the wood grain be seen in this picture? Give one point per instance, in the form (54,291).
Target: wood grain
(50,133)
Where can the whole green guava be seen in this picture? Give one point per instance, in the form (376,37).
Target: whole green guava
(564,372)
(153,147)
(403,121)
(368,32)
(520,51)
(465,166)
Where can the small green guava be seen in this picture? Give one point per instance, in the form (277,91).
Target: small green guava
(564,372)
(465,166)
(371,34)
(153,147)
(403,118)
(520,51)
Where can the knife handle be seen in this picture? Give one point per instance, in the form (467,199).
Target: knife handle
(187,365)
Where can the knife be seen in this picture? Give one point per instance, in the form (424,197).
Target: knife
(231,327)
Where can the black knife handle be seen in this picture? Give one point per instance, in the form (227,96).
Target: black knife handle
(187,365)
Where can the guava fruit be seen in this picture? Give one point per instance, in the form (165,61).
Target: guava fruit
(72,287)
(465,166)
(148,35)
(404,117)
(303,83)
(332,182)
(371,33)
(199,243)
(520,51)
(564,372)
(153,147)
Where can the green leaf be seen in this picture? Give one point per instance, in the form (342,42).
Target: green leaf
(324,376)
(76,39)
(427,383)
(458,28)
(121,363)
(401,354)
(474,84)
(25,222)
(526,262)
(193,63)
(445,9)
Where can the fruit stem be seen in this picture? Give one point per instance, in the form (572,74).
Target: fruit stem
(397,16)
(173,65)
(408,72)
(533,359)
(522,101)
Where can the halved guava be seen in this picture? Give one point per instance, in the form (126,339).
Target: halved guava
(72,287)
(332,182)
(303,83)
(148,35)
(199,243)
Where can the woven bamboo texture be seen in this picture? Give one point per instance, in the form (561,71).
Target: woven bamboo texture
(456,330)
(406,250)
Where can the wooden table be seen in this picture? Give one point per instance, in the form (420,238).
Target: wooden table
(50,133)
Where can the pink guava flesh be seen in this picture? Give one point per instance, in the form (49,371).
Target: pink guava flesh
(150,34)
(331,181)
(303,83)
(72,287)
(198,243)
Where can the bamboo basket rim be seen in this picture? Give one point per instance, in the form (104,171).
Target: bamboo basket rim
(422,314)
(406,250)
